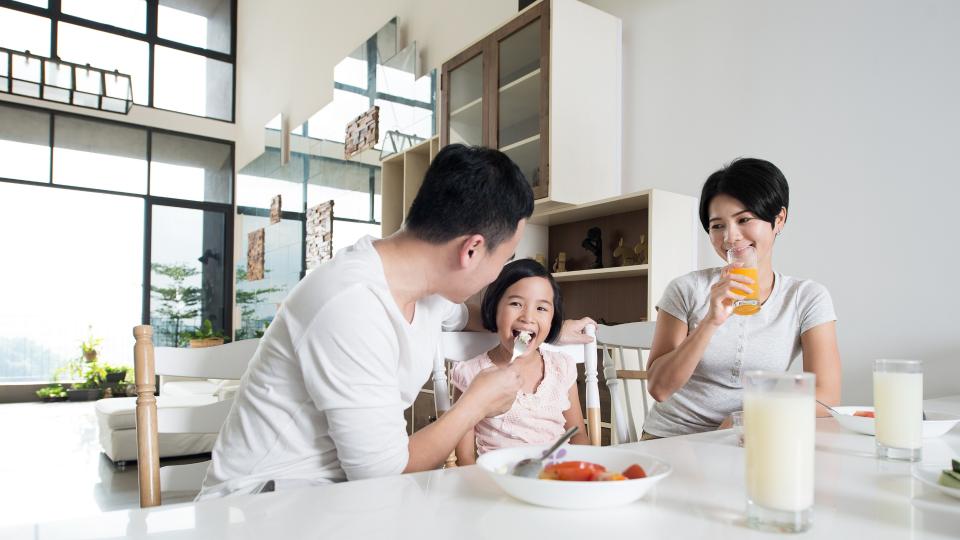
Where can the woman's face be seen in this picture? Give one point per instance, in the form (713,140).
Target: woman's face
(732,226)
(526,306)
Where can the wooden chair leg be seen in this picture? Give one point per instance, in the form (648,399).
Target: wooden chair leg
(148,452)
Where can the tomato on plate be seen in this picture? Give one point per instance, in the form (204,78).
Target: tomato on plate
(865,414)
(577,471)
(635,471)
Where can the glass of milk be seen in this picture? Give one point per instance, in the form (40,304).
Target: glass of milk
(779,414)
(898,407)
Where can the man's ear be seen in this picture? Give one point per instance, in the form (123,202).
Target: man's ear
(470,249)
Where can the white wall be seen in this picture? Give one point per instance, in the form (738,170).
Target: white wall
(288,48)
(857,102)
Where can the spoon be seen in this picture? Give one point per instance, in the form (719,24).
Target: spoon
(834,411)
(520,344)
(829,408)
(530,467)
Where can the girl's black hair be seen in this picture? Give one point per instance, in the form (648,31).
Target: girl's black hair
(756,183)
(512,273)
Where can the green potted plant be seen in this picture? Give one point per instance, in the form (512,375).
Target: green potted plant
(205,336)
(89,388)
(114,374)
(52,392)
(89,345)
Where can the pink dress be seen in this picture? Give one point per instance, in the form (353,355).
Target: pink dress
(534,418)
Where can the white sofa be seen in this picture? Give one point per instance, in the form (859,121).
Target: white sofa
(116,419)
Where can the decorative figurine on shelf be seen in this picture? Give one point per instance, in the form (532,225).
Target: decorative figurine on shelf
(641,250)
(541,259)
(593,243)
(561,263)
(626,259)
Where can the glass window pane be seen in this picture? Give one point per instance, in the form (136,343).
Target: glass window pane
(347,184)
(257,301)
(46,312)
(38,3)
(346,233)
(24,144)
(24,32)
(192,84)
(352,70)
(129,14)
(99,155)
(188,168)
(405,119)
(263,179)
(330,122)
(201,23)
(106,51)
(187,272)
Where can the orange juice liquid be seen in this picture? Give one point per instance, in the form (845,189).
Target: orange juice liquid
(751,302)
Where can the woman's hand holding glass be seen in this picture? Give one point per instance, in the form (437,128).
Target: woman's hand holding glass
(730,288)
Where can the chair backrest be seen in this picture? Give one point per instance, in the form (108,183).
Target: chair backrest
(618,344)
(228,361)
(460,346)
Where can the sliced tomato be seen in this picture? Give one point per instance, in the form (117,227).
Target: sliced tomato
(865,414)
(577,471)
(635,471)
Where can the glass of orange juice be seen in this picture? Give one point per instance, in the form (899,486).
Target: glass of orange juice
(747,259)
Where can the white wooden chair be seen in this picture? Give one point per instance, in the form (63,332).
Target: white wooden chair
(622,345)
(221,362)
(460,346)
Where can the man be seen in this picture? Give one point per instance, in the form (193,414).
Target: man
(323,398)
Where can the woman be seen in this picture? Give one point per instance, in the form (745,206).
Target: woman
(700,349)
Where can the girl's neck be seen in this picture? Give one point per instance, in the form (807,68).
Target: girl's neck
(501,356)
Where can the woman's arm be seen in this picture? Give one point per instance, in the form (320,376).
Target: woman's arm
(574,417)
(821,356)
(466,449)
(675,354)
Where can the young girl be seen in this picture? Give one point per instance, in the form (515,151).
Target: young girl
(523,298)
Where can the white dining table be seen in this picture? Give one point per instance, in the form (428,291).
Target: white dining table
(857,496)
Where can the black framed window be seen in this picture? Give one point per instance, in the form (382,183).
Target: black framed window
(122,197)
(180,54)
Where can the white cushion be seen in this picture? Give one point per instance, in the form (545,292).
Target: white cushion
(120,413)
(189,388)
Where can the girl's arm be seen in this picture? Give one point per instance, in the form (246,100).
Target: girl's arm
(573,416)
(466,449)
(821,356)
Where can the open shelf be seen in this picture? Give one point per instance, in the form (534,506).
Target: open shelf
(602,273)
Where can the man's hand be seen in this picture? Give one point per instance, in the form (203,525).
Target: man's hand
(493,390)
(572,331)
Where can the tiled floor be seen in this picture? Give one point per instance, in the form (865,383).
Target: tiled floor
(51,466)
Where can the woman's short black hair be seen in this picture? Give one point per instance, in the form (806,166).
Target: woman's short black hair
(512,273)
(756,183)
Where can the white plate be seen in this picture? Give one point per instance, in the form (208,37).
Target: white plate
(935,425)
(929,475)
(574,495)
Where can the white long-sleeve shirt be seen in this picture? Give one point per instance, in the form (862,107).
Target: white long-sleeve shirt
(323,398)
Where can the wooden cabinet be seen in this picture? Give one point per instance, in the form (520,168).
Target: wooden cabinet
(401,175)
(544,88)
(666,222)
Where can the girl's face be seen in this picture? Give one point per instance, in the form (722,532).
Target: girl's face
(527,305)
(732,226)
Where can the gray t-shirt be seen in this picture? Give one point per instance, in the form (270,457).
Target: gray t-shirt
(768,340)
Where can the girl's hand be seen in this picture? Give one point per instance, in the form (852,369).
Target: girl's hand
(724,292)
(494,390)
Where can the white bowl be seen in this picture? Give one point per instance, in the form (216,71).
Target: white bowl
(930,476)
(935,425)
(574,495)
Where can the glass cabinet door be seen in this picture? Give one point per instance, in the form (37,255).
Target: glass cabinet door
(521,111)
(465,103)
